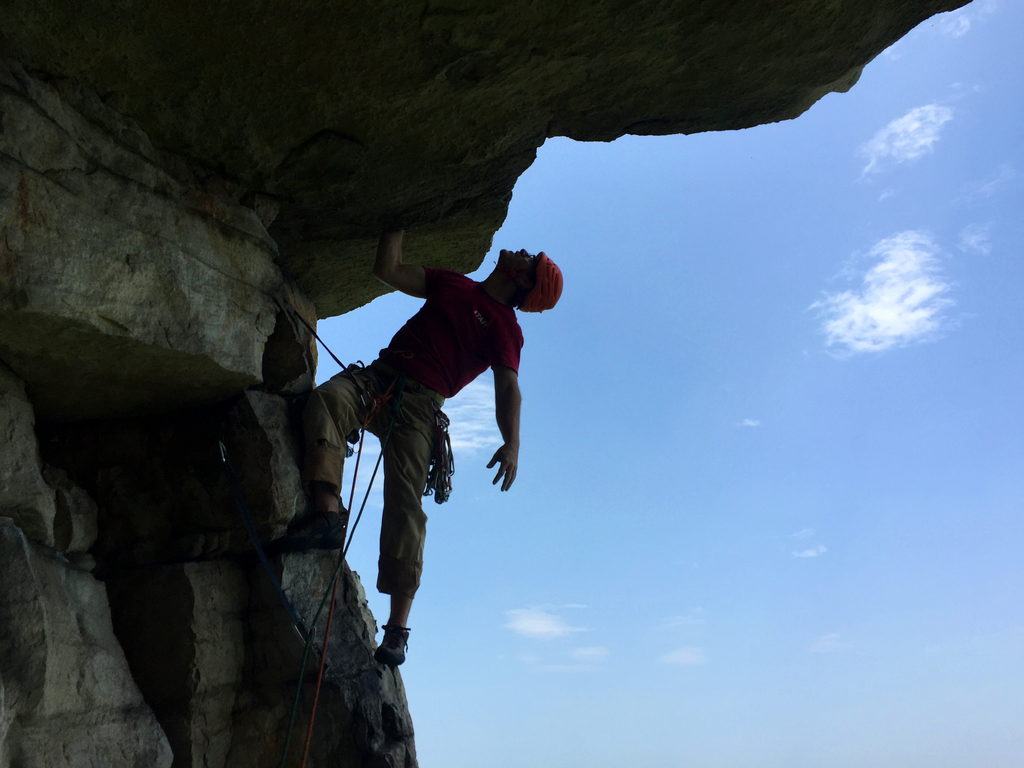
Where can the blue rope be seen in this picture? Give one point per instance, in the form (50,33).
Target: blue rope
(250,527)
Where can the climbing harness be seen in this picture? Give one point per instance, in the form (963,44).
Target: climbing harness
(442,460)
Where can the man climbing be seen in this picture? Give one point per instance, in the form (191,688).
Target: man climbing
(463,328)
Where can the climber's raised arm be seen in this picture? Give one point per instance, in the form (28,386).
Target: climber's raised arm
(388,267)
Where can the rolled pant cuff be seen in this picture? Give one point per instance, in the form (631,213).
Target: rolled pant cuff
(322,464)
(398,577)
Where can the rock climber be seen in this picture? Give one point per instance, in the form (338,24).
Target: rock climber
(463,328)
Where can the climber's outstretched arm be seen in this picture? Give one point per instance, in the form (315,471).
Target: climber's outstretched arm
(507,401)
(388,267)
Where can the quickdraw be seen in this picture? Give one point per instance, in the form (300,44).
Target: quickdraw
(442,460)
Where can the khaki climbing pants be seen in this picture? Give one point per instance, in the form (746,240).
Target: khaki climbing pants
(334,410)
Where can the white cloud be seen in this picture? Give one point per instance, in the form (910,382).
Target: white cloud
(471,412)
(901,299)
(906,138)
(954,24)
(958,23)
(589,654)
(803,533)
(829,643)
(976,239)
(749,423)
(815,551)
(687,656)
(537,623)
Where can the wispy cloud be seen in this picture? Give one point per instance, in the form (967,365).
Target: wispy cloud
(906,138)
(829,643)
(954,24)
(803,533)
(976,239)
(901,300)
(989,186)
(471,412)
(815,551)
(694,618)
(749,423)
(538,623)
(687,656)
(589,654)
(1011,637)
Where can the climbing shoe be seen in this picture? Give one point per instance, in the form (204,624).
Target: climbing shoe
(391,650)
(315,530)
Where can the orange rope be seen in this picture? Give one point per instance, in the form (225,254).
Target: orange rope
(320,674)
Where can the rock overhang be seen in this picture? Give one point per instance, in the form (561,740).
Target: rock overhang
(355,117)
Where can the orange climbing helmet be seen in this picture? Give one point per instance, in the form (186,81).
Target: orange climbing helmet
(547,286)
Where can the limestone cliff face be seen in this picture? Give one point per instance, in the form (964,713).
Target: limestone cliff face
(170,176)
(140,329)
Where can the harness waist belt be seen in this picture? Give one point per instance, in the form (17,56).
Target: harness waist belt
(411,385)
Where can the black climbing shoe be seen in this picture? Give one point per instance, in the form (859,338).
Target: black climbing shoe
(315,530)
(391,650)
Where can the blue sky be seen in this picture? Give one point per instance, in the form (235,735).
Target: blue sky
(769,508)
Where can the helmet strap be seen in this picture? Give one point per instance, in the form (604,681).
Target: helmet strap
(520,296)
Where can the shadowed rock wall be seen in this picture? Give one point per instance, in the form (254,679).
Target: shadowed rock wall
(172,176)
(141,326)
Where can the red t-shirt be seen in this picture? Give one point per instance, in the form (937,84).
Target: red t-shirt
(458,333)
